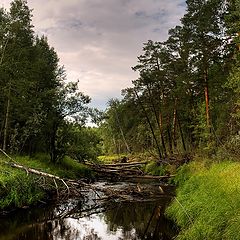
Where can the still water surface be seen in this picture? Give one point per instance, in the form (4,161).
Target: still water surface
(75,219)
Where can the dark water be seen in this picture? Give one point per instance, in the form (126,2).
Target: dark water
(90,219)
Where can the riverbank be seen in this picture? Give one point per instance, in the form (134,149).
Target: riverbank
(207,203)
(19,189)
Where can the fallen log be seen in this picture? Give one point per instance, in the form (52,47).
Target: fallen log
(123,174)
(78,187)
(116,170)
(124,168)
(148,176)
(31,170)
(124,164)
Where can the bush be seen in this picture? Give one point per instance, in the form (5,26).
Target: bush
(231,149)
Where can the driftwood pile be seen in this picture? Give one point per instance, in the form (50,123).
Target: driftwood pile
(131,170)
(65,188)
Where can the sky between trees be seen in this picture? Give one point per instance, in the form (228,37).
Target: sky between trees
(98,41)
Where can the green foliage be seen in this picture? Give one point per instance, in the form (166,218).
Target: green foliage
(35,102)
(84,143)
(207,202)
(187,170)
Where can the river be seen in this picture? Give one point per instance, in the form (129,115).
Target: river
(92,218)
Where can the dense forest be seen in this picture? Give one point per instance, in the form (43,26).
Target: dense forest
(187,95)
(178,124)
(185,99)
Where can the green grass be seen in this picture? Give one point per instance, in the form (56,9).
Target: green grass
(133,157)
(18,189)
(207,205)
(105,159)
(67,168)
(154,169)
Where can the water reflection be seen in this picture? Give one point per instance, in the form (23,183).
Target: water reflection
(107,221)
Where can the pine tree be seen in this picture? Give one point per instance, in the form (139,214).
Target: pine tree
(204,23)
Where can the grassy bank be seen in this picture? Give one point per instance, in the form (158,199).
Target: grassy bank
(207,205)
(19,189)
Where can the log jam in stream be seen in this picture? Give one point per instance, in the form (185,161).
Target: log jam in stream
(96,215)
(101,210)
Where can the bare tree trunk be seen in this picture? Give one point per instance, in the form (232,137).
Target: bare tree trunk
(169,136)
(175,125)
(5,131)
(121,131)
(170,140)
(181,133)
(149,123)
(3,51)
(161,132)
(115,144)
(206,91)
(159,121)
(160,110)
(8,102)
(53,139)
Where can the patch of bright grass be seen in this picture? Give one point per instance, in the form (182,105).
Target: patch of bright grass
(154,169)
(207,205)
(110,158)
(73,169)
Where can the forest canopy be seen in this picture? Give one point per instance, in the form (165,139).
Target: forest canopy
(187,94)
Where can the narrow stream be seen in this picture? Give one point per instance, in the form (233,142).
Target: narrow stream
(91,220)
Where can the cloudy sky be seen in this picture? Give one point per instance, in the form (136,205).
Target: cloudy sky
(98,41)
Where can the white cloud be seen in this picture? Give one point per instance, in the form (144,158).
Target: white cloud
(98,41)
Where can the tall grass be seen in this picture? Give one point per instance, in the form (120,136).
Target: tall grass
(153,168)
(207,205)
(17,189)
